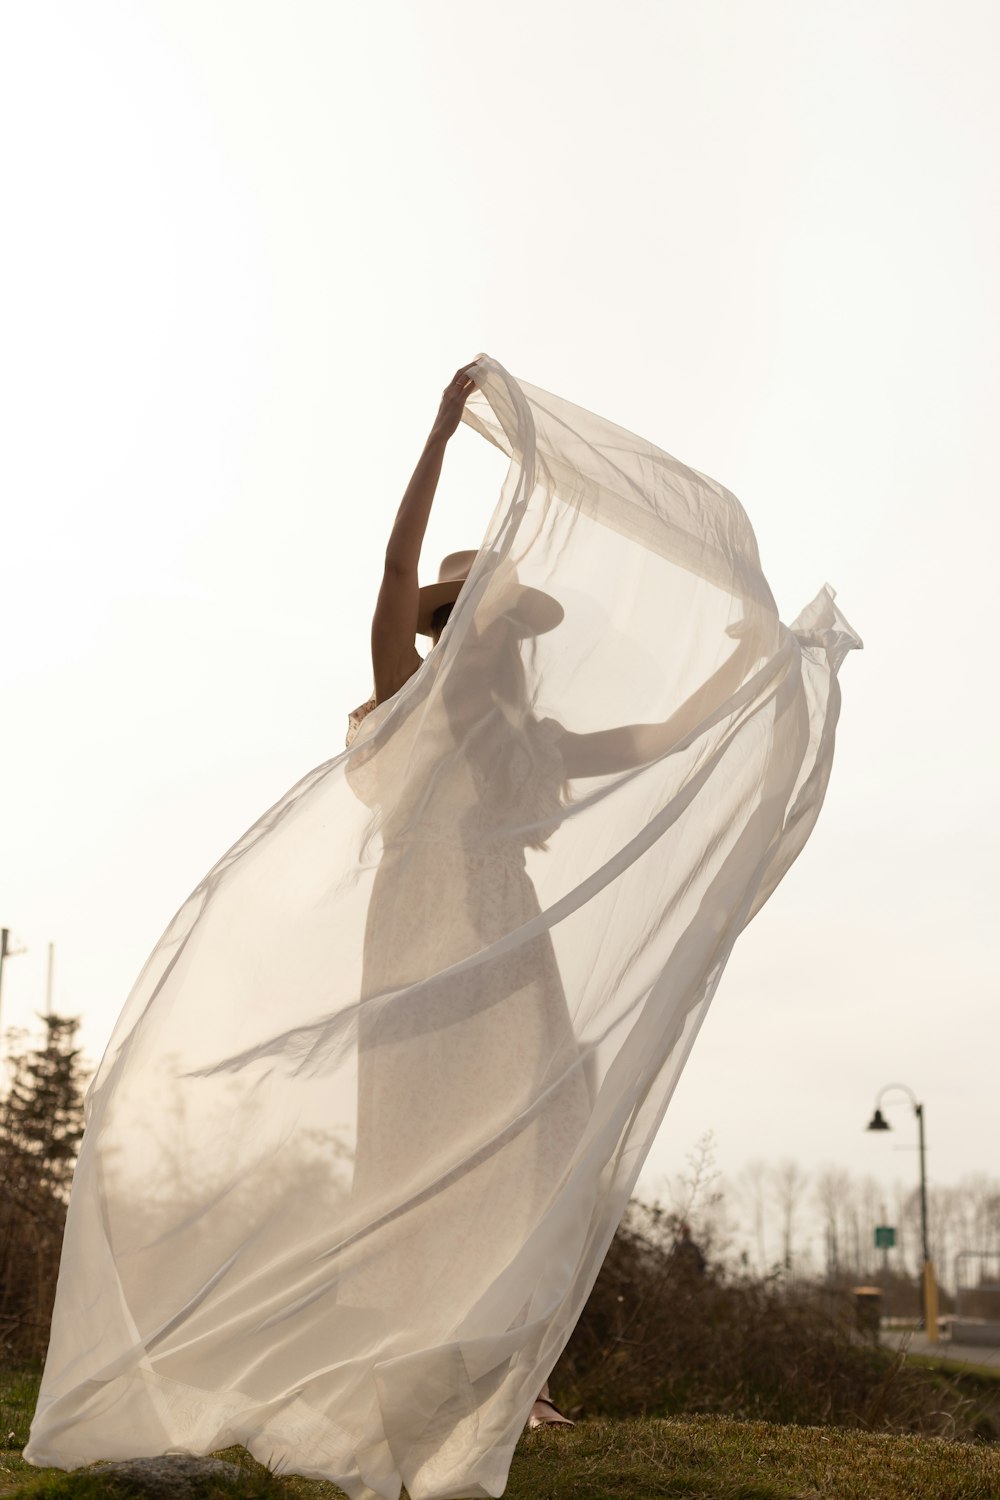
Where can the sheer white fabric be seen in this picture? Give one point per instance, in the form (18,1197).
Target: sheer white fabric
(377,1102)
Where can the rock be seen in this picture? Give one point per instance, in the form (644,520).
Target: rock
(173,1476)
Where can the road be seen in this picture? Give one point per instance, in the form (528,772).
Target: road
(919,1343)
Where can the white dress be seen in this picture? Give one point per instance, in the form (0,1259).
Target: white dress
(449,1081)
(377,1102)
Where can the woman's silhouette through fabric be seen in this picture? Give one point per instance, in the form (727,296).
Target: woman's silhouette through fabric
(377,1102)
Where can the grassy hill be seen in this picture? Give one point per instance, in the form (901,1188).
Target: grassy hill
(673,1458)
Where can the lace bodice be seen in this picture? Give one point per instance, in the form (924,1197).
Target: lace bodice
(356,717)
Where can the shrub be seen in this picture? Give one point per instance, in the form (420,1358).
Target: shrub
(663,1335)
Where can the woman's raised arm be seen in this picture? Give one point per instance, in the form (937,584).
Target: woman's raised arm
(394,625)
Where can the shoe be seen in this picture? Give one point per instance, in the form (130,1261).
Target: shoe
(545,1413)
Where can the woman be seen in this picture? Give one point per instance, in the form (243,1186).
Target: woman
(379,1098)
(388,1107)
(444,848)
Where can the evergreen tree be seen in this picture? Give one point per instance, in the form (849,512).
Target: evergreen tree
(41,1125)
(41,1119)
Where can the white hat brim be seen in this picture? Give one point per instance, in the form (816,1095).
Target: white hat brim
(532,609)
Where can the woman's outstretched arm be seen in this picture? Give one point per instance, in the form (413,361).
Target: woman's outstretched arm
(394,626)
(631,745)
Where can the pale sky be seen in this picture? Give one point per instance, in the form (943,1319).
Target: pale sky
(246,245)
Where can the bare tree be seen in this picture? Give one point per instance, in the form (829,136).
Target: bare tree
(832,1191)
(696,1197)
(788,1185)
(753,1194)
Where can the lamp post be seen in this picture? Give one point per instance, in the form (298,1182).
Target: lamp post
(879,1122)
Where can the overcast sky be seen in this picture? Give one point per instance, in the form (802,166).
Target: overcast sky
(247,245)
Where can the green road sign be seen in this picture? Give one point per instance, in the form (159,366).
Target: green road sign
(885,1237)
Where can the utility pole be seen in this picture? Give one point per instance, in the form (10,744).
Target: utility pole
(6,951)
(48,982)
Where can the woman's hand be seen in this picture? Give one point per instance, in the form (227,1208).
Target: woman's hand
(453,401)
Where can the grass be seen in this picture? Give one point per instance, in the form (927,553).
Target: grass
(677,1458)
(945,1361)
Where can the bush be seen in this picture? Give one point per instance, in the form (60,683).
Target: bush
(662,1335)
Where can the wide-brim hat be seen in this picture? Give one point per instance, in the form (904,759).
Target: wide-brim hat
(533,611)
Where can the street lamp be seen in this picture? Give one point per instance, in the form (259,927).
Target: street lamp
(879,1122)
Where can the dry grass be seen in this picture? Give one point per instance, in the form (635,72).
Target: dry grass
(674,1458)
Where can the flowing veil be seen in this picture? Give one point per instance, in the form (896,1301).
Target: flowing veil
(377,1102)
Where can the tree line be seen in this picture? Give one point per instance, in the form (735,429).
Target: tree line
(776,1216)
(772,1220)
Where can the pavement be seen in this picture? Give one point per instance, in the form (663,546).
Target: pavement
(945,1349)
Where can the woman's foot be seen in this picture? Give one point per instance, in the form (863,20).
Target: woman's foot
(545,1413)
